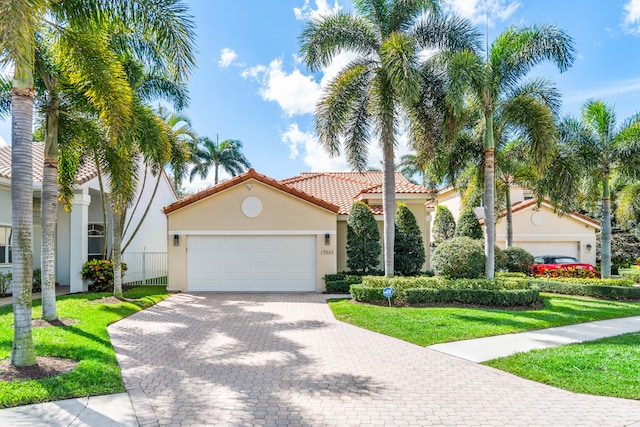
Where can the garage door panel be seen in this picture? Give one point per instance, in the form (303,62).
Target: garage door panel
(251,263)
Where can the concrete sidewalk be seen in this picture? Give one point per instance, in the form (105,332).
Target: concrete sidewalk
(483,349)
(105,411)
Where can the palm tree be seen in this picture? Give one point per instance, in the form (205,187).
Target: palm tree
(73,24)
(593,148)
(183,137)
(383,85)
(496,80)
(226,155)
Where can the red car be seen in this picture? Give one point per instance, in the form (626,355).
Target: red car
(544,263)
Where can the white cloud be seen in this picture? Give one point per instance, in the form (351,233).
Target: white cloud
(3,143)
(314,154)
(295,92)
(322,9)
(478,10)
(632,17)
(227,56)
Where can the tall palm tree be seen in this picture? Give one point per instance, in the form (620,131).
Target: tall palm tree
(382,86)
(593,148)
(226,155)
(183,138)
(498,79)
(72,23)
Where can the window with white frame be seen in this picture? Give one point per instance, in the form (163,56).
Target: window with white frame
(95,240)
(5,244)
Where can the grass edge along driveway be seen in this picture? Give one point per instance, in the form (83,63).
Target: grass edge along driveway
(606,367)
(87,342)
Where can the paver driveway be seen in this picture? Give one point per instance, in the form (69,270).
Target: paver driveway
(282,359)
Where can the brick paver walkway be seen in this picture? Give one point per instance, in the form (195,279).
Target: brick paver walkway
(282,359)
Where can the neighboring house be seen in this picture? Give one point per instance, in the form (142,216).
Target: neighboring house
(253,233)
(539,230)
(81,232)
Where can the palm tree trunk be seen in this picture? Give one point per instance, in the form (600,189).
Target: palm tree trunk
(605,247)
(144,215)
(49,215)
(103,200)
(509,218)
(388,206)
(489,199)
(215,173)
(22,351)
(116,254)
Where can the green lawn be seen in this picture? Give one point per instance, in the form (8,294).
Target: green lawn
(426,326)
(86,341)
(607,367)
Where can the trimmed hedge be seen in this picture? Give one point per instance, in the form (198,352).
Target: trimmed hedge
(592,281)
(589,290)
(634,277)
(342,286)
(498,298)
(502,291)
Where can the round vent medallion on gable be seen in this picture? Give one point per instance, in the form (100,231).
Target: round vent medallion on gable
(537,218)
(251,207)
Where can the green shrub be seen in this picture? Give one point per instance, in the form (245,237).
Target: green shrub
(589,290)
(468,225)
(593,281)
(5,283)
(518,260)
(511,274)
(343,285)
(100,273)
(368,294)
(363,239)
(634,277)
(444,225)
(495,298)
(460,257)
(501,260)
(37,280)
(408,247)
(334,277)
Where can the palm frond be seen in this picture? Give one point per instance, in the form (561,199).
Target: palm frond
(322,39)
(450,33)
(399,57)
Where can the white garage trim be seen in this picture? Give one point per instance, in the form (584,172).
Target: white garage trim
(250,232)
(251,263)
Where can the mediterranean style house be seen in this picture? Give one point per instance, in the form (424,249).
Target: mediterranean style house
(82,232)
(253,233)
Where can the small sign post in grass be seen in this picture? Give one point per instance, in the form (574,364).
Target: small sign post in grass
(388,293)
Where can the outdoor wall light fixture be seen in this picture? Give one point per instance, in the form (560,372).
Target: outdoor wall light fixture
(327,239)
(176,240)
(589,246)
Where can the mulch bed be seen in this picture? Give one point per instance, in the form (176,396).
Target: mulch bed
(45,367)
(41,323)
(112,300)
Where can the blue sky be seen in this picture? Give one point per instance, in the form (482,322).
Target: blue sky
(249,84)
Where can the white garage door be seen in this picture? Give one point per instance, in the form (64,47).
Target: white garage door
(251,263)
(550,248)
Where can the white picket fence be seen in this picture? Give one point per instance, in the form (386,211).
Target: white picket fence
(146,268)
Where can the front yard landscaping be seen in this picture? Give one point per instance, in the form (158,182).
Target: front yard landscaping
(85,341)
(432,325)
(607,367)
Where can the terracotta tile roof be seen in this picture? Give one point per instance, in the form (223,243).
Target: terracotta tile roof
(525,204)
(251,174)
(342,188)
(86,172)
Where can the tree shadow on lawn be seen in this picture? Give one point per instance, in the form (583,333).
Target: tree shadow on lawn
(208,352)
(565,315)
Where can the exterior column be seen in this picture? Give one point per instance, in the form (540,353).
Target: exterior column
(78,244)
